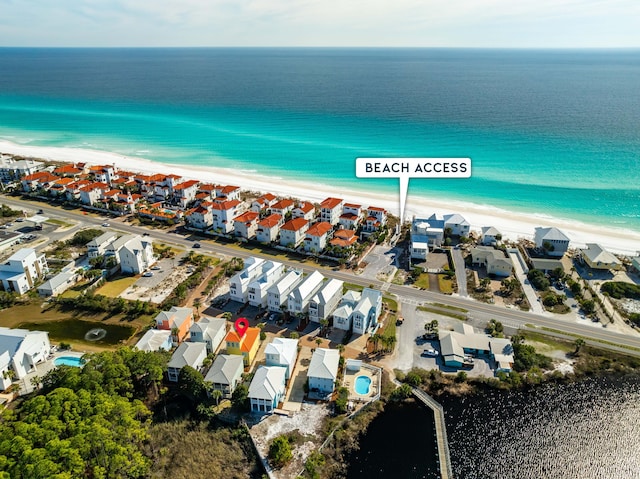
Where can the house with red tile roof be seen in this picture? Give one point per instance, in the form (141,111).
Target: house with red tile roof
(246,224)
(92,193)
(293,231)
(304,210)
(263,203)
(200,217)
(227,192)
(376,219)
(69,170)
(343,238)
(331,210)
(351,216)
(72,190)
(39,180)
(104,173)
(185,192)
(269,228)
(317,236)
(223,214)
(60,187)
(282,207)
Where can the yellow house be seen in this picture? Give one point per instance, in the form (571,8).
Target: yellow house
(246,345)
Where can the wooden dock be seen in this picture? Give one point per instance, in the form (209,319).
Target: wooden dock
(444,458)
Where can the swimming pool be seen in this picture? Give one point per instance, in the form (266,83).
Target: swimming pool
(362,385)
(69,361)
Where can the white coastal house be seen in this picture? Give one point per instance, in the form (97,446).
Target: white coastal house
(323,371)
(20,352)
(457,224)
(493,259)
(187,354)
(210,331)
(331,210)
(263,203)
(366,313)
(298,300)
(342,315)
(239,282)
(136,255)
(98,246)
(282,207)
(245,225)
(552,241)
(351,216)
(267,389)
(282,352)
(223,214)
(375,219)
(258,289)
(325,300)
(22,270)
(304,210)
(293,232)
(278,293)
(225,374)
(269,228)
(490,235)
(155,340)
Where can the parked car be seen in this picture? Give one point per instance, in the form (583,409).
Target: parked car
(105,225)
(40,211)
(148,274)
(196,245)
(430,352)
(19,220)
(155,268)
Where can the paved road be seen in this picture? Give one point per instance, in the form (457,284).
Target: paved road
(406,294)
(461,271)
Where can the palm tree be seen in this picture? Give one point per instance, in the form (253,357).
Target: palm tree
(216,394)
(578,343)
(341,349)
(375,339)
(318,341)
(391,342)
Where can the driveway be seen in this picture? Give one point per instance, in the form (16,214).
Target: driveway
(382,260)
(461,271)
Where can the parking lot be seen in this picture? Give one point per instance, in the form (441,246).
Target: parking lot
(155,287)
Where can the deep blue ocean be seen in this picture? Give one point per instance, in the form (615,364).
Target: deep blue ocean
(549,131)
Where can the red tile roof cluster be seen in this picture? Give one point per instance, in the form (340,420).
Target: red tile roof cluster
(247,217)
(319,229)
(330,203)
(271,221)
(283,204)
(295,224)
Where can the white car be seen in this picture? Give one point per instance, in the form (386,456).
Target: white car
(430,352)
(105,225)
(148,274)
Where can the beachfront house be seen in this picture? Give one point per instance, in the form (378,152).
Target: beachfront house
(351,216)
(177,320)
(331,210)
(223,214)
(12,169)
(343,314)
(239,282)
(317,236)
(210,331)
(375,219)
(200,217)
(366,313)
(282,352)
(263,203)
(225,374)
(258,289)
(494,260)
(136,255)
(304,210)
(293,232)
(227,192)
(343,239)
(325,300)
(155,340)
(489,235)
(269,228)
(457,224)
(552,241)
(246,225)
(20,272)
(98,246)
(245,345)
(298,300)
(323,371)
(282,207)
(597,257)
(21,351)
(187,354)
(278,293)
(267,389)
(40,180)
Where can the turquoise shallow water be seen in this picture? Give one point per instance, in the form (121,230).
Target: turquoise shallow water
(548,132)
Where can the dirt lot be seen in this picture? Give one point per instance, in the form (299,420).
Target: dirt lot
(156,288)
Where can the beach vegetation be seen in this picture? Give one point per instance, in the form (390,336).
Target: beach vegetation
(538,279)
(495,329)
(620,289)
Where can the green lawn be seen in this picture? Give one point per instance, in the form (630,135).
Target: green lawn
(392,304)
(445,284)
(461,317)
(115,287)
(61,223)
(75,291)
(423,281)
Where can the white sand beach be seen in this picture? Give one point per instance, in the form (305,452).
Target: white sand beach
(512,225)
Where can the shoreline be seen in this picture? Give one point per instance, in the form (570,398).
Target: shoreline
(512,225)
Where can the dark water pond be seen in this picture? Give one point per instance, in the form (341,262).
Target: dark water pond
(76,330)
(584,430)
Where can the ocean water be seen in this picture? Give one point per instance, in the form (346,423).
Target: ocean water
(550,131)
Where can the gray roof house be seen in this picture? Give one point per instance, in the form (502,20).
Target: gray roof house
(187,354)
(98,246)
(210,331)
(552,240)
(155,340)
(298,301)
(323,371)
(278,293)
(325,300)
(267,388)
(226,373)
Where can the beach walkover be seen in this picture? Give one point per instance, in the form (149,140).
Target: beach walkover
(441,433)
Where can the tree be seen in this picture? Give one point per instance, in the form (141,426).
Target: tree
(578,343)
(192,382)
(240,397)
(216,394)
(375,340)
(294,335)
(318,341)
(280,451)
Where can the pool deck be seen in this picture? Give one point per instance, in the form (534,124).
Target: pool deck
(371,372)
(43,368)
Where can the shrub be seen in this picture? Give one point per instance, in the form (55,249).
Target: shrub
(280,451)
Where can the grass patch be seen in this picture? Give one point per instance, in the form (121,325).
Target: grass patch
(76,290)
(390,326)
(75,330)
(115,287)
(392,304)
(423,281)
(60,223)
(461,317)
(445,284)
(352,286)
(601,341)
(453,308)
(548,341)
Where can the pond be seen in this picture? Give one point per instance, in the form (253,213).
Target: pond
(77,329)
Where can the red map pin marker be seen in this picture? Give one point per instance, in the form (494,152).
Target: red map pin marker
(241,326)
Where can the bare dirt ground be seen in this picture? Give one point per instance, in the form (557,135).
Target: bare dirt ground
(158,292)
(308,422)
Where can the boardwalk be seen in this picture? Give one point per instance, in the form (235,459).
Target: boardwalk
(441,433)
